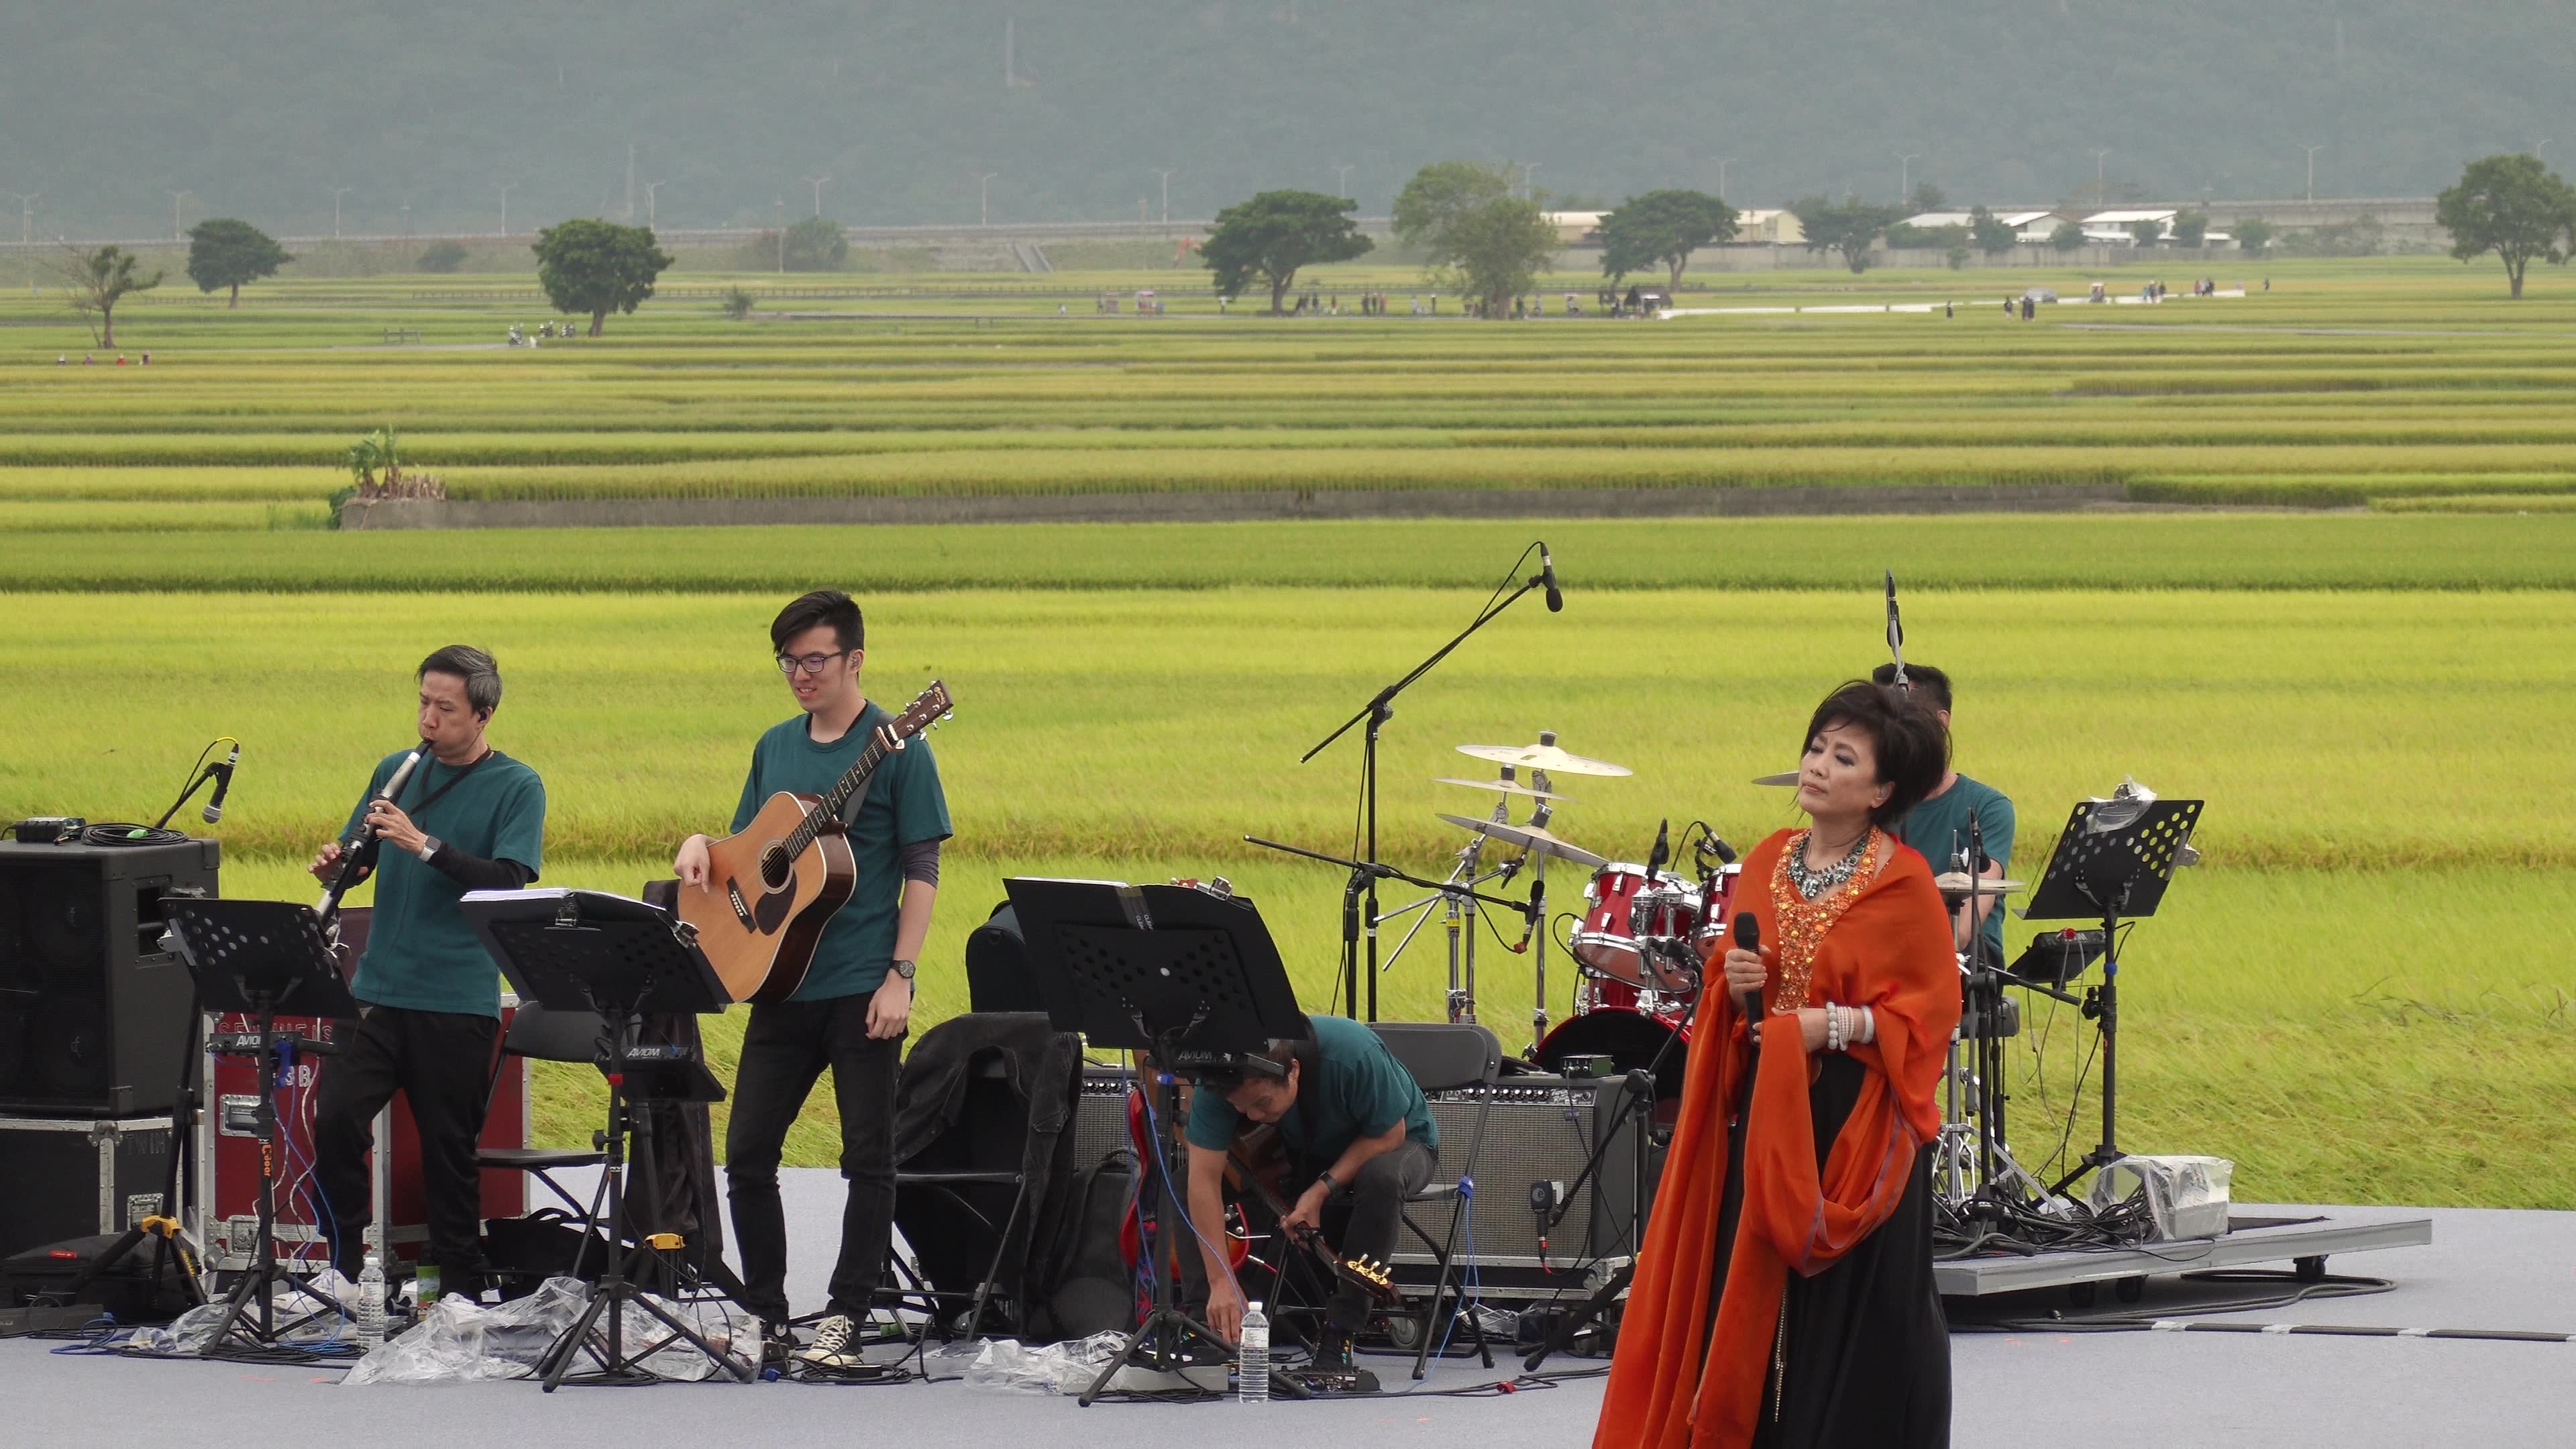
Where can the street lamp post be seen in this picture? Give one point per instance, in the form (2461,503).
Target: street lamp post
(175,234)
(505,188)
(1529,173)
(651,212)
(1342,179)
(336,193)
(26,228)
(1905,174)
(984,197)
(1722,164)
(817,183)
(2101,190)
(1167,194)
(2312,168)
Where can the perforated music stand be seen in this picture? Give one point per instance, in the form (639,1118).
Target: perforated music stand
(572,950)
(260,958)
(1170,970)
(2113,862)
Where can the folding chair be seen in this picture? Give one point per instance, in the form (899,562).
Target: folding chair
(549,1036)
(1442,1058)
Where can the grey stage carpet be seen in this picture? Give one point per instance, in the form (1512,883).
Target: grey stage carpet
(2485,1269)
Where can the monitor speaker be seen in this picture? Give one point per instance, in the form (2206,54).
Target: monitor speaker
(93,1012)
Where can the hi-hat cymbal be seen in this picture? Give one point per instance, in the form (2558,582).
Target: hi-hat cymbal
(1530,837)
(1785,777)
(1507,787)
(1543,757)
(1959,885)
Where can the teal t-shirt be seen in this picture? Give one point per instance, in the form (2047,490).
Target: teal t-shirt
(421,955)
(1359,1090)
(903,806)
(1939,828)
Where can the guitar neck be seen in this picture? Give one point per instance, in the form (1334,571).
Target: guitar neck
(839,795)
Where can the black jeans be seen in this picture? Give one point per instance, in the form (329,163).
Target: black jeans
(1372,1207)
(785,1048)
(442,1063)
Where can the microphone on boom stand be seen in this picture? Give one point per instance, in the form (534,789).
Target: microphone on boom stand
(223,774)
(1547,580)
(1895,634)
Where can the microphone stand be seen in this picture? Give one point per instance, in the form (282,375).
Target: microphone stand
(1380,709)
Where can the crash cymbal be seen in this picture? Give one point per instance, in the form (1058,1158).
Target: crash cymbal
(1507,787)
(1785,777)
(1543,757)
(1959,885)
(1530,837)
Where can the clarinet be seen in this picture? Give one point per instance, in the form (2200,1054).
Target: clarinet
(358,850)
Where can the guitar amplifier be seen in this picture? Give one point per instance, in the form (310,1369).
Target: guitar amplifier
(1539,1131)
(1100,1116)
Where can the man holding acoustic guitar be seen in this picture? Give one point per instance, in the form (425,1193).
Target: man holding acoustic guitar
(1358,1135)
(824,951)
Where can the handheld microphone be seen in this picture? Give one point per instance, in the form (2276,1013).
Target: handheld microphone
(1547,576)
(1895,633)
(223,774)
(1748,937)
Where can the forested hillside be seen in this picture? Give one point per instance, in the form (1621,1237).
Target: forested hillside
(258,108)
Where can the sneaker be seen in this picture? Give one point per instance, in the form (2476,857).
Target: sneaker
(835,1347)
(1332,1369)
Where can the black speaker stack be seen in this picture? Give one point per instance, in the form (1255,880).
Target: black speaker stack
(94,1018)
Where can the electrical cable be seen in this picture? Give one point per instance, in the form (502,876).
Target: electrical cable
(122,832)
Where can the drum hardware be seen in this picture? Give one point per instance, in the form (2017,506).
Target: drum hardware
(1957,886)
(1504,786)
(1531,837)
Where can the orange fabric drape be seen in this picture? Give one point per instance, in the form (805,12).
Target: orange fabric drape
(1672,1383)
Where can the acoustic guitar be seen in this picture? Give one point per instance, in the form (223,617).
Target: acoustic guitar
(773,886)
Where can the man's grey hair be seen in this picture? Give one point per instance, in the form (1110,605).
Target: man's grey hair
(482,677)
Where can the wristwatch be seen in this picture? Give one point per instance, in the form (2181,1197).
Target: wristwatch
(1330,1183)
(904,969)
(428,847)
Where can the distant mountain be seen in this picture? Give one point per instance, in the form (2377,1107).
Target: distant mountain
(257,108)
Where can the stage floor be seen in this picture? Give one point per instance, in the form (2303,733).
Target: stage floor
(2039,1387)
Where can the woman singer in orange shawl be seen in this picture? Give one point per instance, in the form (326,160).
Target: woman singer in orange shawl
(1784,1294)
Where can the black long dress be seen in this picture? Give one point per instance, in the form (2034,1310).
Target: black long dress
(1865,1349)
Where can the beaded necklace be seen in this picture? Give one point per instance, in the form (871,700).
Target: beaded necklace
(1803,915)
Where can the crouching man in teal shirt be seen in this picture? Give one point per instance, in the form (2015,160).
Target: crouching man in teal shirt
(429,996)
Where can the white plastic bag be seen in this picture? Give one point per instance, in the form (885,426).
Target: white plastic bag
(1055,1368)
(460,1341)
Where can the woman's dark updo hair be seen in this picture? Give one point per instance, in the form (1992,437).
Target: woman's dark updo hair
(1913,749)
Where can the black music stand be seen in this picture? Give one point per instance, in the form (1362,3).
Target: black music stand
(2113,862)
(261,958)
(571,950)
(1169,970)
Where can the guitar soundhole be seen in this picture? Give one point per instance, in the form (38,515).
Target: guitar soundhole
(776,870)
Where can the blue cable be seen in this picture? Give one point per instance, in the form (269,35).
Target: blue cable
(1154,1138)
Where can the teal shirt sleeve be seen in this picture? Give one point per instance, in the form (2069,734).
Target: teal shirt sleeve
(521,833)
(751,797)
(1213,1121)
(1995,828)
(920,804)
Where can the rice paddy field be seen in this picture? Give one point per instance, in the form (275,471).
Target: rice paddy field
(2363,994)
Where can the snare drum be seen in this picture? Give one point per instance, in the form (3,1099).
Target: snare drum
(1628,911)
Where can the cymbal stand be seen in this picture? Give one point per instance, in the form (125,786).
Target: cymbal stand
(1544,811)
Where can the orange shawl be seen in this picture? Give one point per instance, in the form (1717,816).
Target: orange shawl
(1891,951)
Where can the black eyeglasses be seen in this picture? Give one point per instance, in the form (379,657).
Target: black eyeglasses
(790,664)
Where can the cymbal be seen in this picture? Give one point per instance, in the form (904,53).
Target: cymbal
(1532,838)
(1785,777)
(1507,787)
(1543,757)
(1958,884)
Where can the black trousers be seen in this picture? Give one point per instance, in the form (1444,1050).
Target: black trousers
(785,1048)
(1371,1212)
(442,1064)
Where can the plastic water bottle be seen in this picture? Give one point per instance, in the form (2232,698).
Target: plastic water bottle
(371,1304)
(1253,1362)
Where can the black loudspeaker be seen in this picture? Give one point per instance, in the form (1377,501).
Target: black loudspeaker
(68,1178)
(1538,1136)
(93,1012)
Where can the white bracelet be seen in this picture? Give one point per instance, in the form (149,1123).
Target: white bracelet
(1868,1024)
(1833,1027)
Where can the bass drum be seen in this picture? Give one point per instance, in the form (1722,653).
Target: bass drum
(1631,1040)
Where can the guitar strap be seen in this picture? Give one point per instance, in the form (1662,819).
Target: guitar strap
(865,727)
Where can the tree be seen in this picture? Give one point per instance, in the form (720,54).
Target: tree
(444,255)
(227,253)
(1928,197)
(1277,234)
(2067,237)
(815,244)
(2190,229)
(1989,235)
(737,303)
(1957,257)
(1850,227)
(597,267)
(101,278)
(1474,233)
(1662,227)
(2253,234)
(2146,233)
(2512,206)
